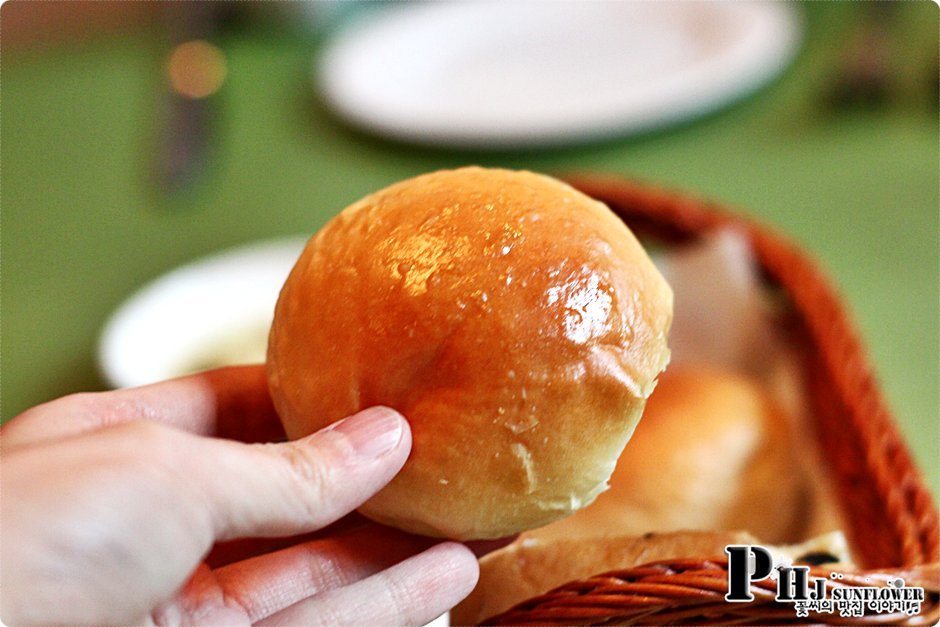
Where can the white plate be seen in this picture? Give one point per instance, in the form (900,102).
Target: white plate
(212,312)
(527,74)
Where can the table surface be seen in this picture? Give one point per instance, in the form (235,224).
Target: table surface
(84,224)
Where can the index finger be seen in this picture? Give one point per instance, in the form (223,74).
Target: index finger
(231,403)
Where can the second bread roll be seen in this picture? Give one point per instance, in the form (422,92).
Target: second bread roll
(713,452)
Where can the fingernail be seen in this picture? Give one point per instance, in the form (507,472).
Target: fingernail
(372,432)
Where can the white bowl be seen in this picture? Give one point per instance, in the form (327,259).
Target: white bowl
(212,312)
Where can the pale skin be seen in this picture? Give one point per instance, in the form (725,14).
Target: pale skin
(121,508)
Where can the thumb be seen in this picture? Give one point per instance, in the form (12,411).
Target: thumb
(296,487)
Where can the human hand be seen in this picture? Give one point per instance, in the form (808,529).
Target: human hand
(112,501)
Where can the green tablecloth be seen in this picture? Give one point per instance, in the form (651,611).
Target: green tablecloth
(83,224)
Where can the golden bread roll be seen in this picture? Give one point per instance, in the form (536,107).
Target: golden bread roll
(515,322)
(713,452)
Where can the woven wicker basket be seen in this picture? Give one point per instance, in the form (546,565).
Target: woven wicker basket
(892,519)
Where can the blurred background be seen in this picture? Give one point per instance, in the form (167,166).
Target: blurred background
(137,137)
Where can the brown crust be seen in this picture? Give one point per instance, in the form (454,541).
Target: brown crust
(514,321)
